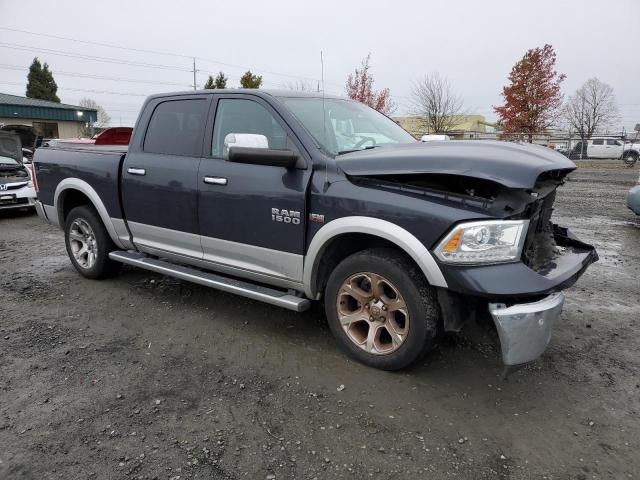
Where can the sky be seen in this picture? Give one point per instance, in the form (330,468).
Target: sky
(474,44)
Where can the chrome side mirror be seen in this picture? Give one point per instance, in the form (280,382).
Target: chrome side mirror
(246,140)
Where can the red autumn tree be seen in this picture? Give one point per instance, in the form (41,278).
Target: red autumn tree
(532,101)
(360,88)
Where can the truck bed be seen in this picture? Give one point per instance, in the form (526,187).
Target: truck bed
(99,166)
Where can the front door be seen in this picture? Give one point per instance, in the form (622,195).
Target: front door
(160,178)
(252,217)
(614,148)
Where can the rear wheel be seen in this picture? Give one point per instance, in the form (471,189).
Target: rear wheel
(381,309)
(630,158)
(88,243)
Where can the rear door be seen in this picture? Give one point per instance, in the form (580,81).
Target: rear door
(160,177)
(252,217)
(597,148)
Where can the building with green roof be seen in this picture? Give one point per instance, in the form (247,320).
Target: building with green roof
(49,119)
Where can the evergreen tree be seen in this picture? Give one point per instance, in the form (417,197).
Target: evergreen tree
(249,80)
(221,81)
(210,83)
(40,82)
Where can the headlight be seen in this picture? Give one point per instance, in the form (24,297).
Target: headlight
(491,241)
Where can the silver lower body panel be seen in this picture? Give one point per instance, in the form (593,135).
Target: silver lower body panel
(208,279)
(525,329)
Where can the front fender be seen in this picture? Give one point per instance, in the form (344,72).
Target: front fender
(372,226)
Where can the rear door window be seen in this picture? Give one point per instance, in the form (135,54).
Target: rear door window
(176,128)
(598,141)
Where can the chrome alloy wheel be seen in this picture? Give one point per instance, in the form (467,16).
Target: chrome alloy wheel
(372,313)
(83,243)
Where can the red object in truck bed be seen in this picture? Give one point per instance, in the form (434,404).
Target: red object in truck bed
(115,136)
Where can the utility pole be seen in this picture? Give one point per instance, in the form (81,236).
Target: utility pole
(194,73)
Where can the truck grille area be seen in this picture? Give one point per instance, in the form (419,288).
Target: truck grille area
(540,247)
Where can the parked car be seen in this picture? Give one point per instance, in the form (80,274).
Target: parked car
(435,138)
(16,185)
(597,147)
(633,198)
(290,198)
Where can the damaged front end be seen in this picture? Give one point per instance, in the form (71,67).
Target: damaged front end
(522,295)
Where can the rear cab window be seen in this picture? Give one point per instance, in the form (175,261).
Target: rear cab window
(176,127)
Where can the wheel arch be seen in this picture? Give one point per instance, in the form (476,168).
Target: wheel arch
(376,228)
(75,189)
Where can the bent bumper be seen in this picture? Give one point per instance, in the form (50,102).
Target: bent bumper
(525,329)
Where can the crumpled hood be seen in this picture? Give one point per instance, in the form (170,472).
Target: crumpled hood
(510,164)
(10,146)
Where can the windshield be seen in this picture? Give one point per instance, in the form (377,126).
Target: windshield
(7,161)
(344,125)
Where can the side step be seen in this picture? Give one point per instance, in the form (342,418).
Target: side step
(231,285)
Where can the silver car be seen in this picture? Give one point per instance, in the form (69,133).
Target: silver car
(633,198)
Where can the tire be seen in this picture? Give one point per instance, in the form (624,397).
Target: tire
(84,222)
(630,158)
(393,339)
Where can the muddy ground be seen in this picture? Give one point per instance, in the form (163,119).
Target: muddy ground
(142,376)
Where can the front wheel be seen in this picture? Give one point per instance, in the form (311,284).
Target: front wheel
(381,309)
(88,243)
(630,158)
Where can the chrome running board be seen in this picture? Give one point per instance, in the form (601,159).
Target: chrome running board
(219,282)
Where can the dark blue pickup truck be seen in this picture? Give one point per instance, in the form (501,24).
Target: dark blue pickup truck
(290,198)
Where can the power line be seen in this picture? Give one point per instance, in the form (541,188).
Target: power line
(95,58)
(97,77)
(157,52)
(99,44)
(86,90)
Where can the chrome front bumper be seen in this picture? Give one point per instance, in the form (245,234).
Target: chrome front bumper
(525,329)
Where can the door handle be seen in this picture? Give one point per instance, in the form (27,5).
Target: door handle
(215,180)
(136,171)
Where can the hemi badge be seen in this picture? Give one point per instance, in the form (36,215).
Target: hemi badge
(316,218)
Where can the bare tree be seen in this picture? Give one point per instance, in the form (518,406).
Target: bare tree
(592,108)
(434,101)
(301,86)
(103,117)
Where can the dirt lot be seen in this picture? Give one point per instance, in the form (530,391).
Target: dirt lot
(142,376)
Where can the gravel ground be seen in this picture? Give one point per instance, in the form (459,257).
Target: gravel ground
(142,376)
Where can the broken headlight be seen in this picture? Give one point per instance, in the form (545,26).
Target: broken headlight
(491,241)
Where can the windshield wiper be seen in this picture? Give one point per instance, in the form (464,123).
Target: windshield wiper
(368,147)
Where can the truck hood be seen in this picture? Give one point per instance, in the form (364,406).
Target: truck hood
(10,147)
(510,164)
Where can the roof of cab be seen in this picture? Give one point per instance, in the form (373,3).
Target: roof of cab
(251,91)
